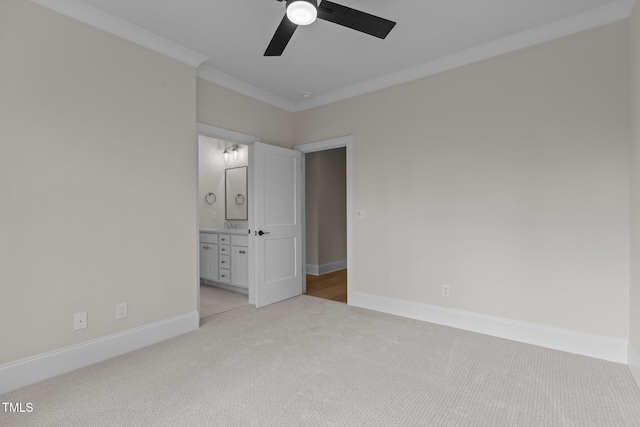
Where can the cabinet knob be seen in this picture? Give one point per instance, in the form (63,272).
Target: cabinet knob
(221,262)
(241,252)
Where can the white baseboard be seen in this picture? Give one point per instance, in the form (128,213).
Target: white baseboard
(28,371)
(634,363)
(598,346)
(226,286)
(318,270)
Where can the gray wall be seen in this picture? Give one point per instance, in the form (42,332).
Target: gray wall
(507,179)
(222,107)
(98,178)
(97,182)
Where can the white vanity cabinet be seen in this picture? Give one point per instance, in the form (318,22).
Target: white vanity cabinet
(224,257)
(240,261)
(209,256)
(224,272)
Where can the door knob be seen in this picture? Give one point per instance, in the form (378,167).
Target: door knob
(260,233)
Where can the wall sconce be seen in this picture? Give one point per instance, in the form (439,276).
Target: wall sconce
(234,153)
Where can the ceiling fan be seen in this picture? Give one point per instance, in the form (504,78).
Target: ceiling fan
(304,12)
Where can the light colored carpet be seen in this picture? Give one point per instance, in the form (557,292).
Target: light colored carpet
(313,362)
(215,300)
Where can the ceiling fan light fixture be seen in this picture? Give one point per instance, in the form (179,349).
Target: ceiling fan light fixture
(302,12)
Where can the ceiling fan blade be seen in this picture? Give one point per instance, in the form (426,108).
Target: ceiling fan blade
(355,19)
(281,37)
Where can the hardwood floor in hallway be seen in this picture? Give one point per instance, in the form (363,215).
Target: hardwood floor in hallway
(331,286)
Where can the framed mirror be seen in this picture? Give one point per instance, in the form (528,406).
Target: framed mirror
(236,194)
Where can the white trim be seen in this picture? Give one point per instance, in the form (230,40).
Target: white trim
(633,357)
(633,360)
(319,270)
(225,80)
(625,5)
(90,15)
(342,141)
(327,144)
(598,346)
(226,286)
(197,202)
(225,134)
(612,12)
(303,220)
(28,371)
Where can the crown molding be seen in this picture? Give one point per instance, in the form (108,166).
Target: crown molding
(96,18)
(612,12)
(225,80)
(626,5)
(617,10)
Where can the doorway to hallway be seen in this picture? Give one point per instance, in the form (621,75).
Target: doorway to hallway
(326,223)
(328,217)
(331,286)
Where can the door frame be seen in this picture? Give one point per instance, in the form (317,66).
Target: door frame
(328,144)
(210,131)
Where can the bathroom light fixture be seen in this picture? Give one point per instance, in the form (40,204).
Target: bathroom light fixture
(235,150)
(302,12)
(226,155)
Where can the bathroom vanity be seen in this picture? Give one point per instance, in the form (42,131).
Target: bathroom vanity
(224,258)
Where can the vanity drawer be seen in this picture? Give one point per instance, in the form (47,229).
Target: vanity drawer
(208,238)
(225,239)
(225,249)
(225,261)
(240,240)
(224,275)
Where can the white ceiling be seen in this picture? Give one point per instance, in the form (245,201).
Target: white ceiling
(334,62)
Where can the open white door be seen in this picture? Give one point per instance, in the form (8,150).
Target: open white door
(277,234)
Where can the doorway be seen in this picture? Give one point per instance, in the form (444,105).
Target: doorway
(328,217)
(222,166)
(326,224)
(271,245)
(215,295)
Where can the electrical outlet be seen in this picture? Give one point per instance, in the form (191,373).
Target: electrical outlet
(361,214)
(445,290)
(79,321)
(122,311)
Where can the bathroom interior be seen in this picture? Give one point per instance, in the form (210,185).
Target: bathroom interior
(223,213)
